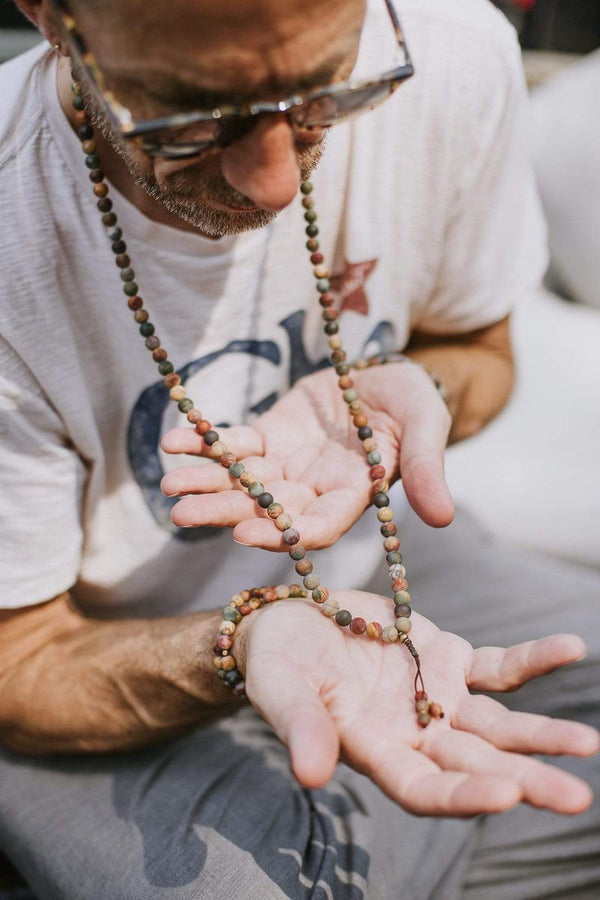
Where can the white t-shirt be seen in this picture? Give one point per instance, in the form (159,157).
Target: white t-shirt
(428,215)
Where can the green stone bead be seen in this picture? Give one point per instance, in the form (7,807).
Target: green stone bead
(308,202)
(310,215)
(401,597)
(311,582)
(165,367)
(331,328)
(312,245)
(380,500)
(312,230)
(236,469)
(403,625)
(233,677)
(297,552)
(127,274)
(323,285)
(130,288)
(146,329)
(264,500)
(374,458)
(343,617)
(231,614)
(185,405)
(306,187)
(92,161)
(393,558)
(350,395)
(255,489)
(77,102)
(343,368)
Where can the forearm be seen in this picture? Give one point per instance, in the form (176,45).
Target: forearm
(72,684)
(476,370)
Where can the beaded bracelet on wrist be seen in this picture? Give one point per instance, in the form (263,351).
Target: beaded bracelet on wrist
(399,630)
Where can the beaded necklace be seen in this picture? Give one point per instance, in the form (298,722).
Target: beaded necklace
(245,602)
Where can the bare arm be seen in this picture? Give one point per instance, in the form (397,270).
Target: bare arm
(73,684)
(476,369)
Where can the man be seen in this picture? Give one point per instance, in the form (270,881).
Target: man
(429,218)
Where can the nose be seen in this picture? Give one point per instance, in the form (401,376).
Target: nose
(262,164)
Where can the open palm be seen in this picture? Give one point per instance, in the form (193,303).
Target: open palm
(306,452)
(326,691)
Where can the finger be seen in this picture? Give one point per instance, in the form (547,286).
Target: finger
(524,732)
(540,784)
(227,509)
(324,521)
(419,786)
(497,669)
(299,718)
(241,440)
(208,479)
(424,439)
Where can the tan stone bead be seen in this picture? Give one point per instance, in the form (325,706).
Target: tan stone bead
(401,597)
(254,604)
(330,608)
(228,663)
(284,522)
(177,393)
(282,591)
(354,407)
(389,634)
(403,624)
(236,600)
(370,444)
(246,479)
(335,342)
(227,628)
(217,660)
(218,449)
(360,420)
(385,514)
(374,630)
(321,272)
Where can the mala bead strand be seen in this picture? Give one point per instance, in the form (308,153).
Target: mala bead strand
(400,630)
(241,604)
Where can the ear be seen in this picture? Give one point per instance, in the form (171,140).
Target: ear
(43,16)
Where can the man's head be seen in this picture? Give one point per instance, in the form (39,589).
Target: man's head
(162,58)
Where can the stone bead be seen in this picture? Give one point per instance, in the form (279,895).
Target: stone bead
(422,706)
(85,131)
(227,627)
(320,594)
(217,660)
(236,600)
(246,479)
(403,624)
(376,473)
(236,469)
(122,260)
(381,500)
(374,630)
(211,437)
(233,678)
(327,299)
(274,510)
(96,176)
(400,584)
(283,522)
(385,514)
(338,356)
(321,272)
(177,393)
(218,449)
(312,245)
(141,315)
(104,204)
(203,427)
(330,315)
(92,161)
(330,608)
(390,544)
(402,597)
(389,634)
(342,369)
(290,537)
(100,190)
(358,625)
(374,458)
(345,382)
(402,610)
(423,719)
(365,433)
(127,274)
(137,303)
(310,215)
(360,420)
(343,618)
(436,711)
(239,689)
(109,219)
(311,582)
(256,489)
(388,529)
(316,259)
(323,285)
(264,500)
(296,591)
(306,187)
(335,342)
(159,355)
(230,614)
(394,557)
(311,230)
(227,460)
(369,444)
(282,591)
(421,695)
(297,552)
(172,380)
(185,405)
(396,572)
(349,395)
(228,663)
(224,642)
(308,202)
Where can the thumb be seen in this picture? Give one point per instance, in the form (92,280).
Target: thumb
(424,439)
(300,720)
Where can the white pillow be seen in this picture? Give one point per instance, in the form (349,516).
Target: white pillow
(566,151)
(533,476)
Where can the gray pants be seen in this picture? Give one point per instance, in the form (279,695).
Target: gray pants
(218,815)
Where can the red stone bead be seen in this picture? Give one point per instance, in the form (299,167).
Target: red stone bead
(377,472)
(390,544)
(359,420)
(159,355)
(326,300)
(194,416)
(345,382)
(270,596)
(388,529)
(330,315)
(358,625)
(316,258)
(203,426)
(312,244)
(224,642)
(81,117)
(400,584)
(245,609)
(135,303)
(421,695)
(381,486)
(172,380)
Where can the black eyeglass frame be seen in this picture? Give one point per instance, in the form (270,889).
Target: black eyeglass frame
(122,119)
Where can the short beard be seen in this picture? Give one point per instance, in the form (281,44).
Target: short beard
(176,198)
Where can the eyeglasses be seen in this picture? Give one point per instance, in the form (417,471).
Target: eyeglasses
(190,134)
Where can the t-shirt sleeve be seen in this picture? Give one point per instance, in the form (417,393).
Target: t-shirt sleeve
(494,250)
(41,483)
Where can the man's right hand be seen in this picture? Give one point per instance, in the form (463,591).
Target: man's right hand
(327,692)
